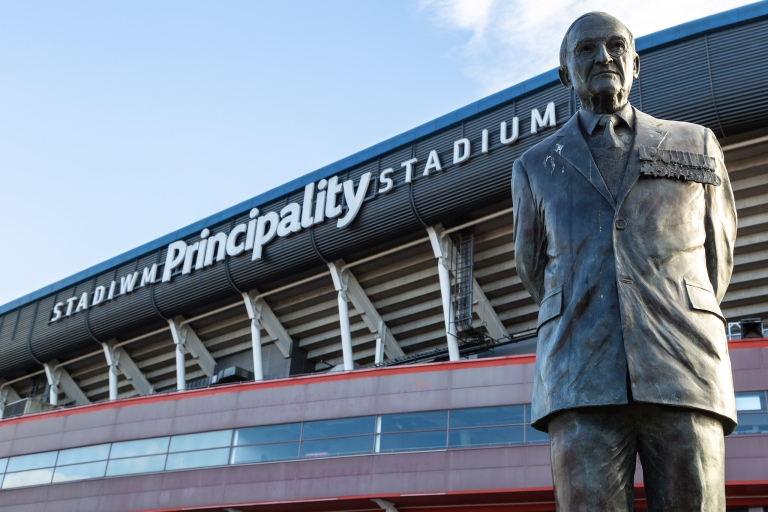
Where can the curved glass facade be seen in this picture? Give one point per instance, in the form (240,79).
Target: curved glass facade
(389,433)
(363,435)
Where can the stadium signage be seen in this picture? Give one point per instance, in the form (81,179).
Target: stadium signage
(321,202)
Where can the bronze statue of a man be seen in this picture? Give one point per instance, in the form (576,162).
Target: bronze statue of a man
(624,234)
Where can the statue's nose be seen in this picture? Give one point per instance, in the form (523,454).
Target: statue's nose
(602,54)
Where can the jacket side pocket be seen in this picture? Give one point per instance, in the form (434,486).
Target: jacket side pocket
(703,298)
(551,306)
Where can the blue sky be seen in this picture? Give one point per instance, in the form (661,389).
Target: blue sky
(122,121)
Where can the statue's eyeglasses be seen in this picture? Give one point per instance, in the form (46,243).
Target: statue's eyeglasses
(615,46)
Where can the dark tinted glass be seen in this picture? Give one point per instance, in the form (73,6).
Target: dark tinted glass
(268,434)
(755,423)
(486,416)
(754,401)
(335,447)
(80,472)
(338,428)
(414,421)
(486,436)
(265,453)
(430,440)
(534,436)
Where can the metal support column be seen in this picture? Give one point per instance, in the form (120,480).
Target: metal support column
(254,307)
(184,337)
(442,246)
(60,380)
(117,357)
(109,353)
(181,370)
(53,382)
(340,283)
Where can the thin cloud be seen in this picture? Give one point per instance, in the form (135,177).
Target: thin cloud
(473,16)
(511,41)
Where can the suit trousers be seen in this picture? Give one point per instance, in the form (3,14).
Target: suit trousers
(594,452)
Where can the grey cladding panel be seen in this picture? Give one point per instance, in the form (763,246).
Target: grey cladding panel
(739,63)
(207,284)
(13,349)
(490,121)
(50,339)
(485,179)
(382,219)
(676,84)
(137,304)
(68,335)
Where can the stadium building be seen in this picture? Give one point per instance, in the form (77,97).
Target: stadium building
(358,338)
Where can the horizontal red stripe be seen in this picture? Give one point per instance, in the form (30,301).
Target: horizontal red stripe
(748,343)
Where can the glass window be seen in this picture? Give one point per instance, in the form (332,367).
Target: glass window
(413,421)
(200,459)
(336,447)
(136,465)
(750,401)
(752,423)
(140,447)
(487,416)
(80,471)
(430,440)
(268,434)
(85,454)
(3,463)
(201,441)
(34,461)
(25,478)
(338,428)
(265,453)
(485,436)
(534,436)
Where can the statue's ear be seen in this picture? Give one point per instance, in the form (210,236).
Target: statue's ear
(565,78)
(636,72)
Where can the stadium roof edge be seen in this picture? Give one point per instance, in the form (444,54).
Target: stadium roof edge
(652,41)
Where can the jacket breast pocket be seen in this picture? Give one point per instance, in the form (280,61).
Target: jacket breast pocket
(551,306)
(702,298)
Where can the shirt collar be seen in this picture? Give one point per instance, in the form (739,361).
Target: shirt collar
(588,120)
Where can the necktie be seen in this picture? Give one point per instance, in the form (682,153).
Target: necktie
(609,140)
(610,153)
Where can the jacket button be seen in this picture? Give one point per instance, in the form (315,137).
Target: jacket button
(620,224)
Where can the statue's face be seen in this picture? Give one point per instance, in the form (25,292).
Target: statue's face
(601,63)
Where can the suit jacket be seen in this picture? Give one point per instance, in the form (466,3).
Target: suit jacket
(632,286)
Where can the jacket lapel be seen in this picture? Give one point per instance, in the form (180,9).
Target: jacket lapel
(571,146)
(647,133)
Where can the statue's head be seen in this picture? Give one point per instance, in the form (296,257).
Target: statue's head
(598,61)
